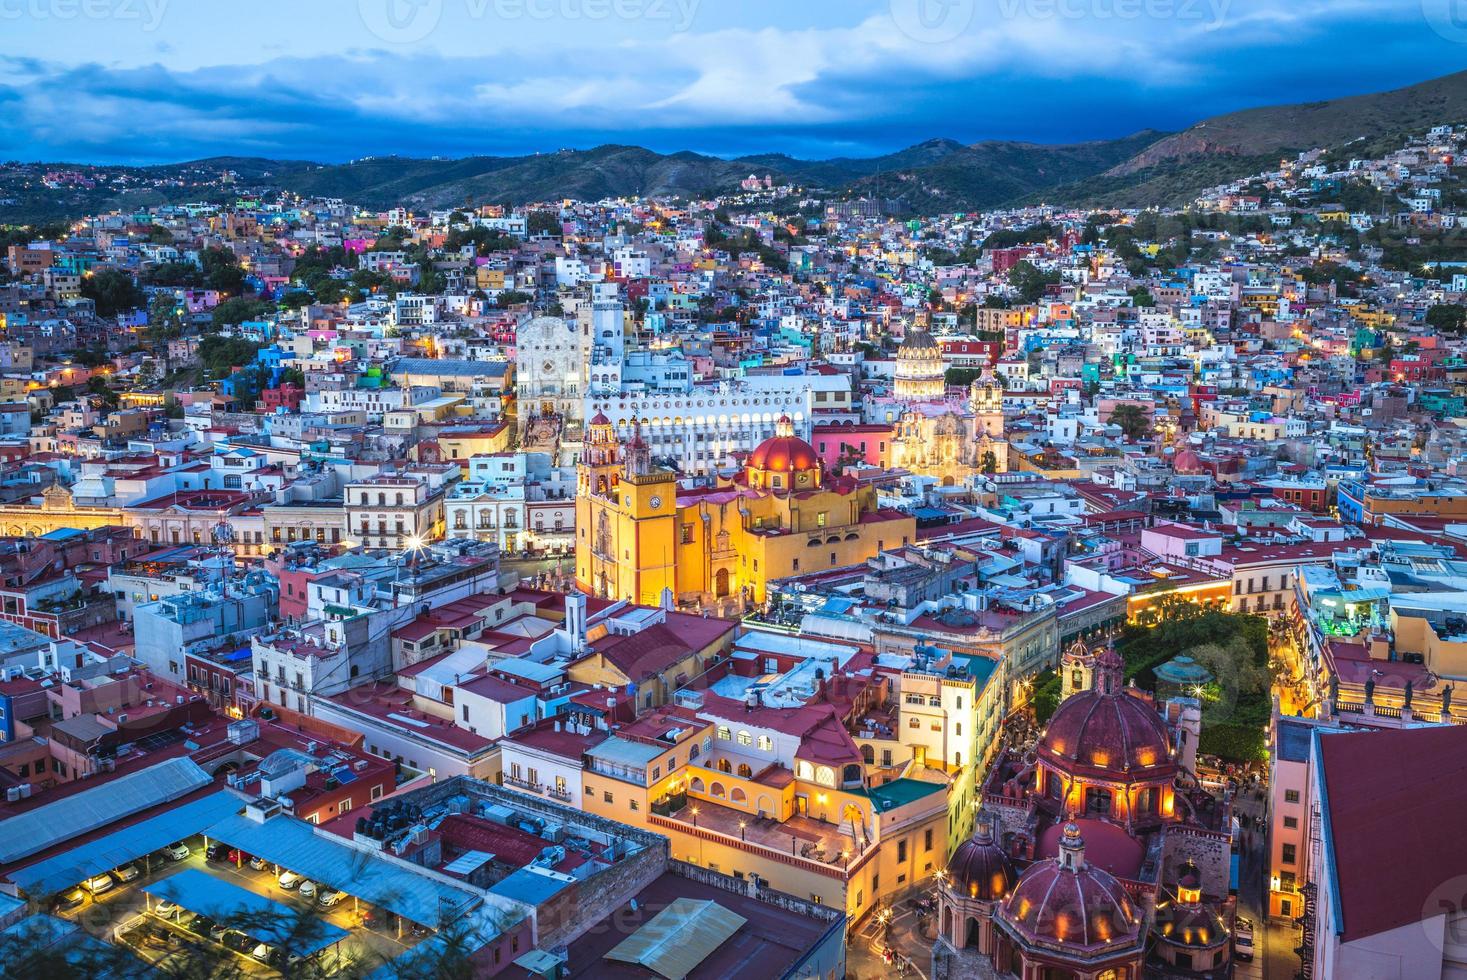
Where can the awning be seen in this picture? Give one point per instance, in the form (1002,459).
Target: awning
(239,908)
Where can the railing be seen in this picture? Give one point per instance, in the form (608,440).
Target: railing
(523,784)
(557,793)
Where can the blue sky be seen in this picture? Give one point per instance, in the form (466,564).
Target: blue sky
(141,81)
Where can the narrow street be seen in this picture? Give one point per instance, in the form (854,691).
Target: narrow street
(1275,940)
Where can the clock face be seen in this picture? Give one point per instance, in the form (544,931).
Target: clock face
(656,502)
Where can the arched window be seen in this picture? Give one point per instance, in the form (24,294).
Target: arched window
(766,744)
(745,738)
(746,770)
(868,754)
(737,796)
(803,770)
(825,776)
(696,786)
(718,792)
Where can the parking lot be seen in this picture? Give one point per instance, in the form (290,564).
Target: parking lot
(121,914)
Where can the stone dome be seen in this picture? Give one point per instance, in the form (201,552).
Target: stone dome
(1065,900)
(980,869)
(1113,732)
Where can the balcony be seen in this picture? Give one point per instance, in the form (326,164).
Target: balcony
(555,793)
(518,783)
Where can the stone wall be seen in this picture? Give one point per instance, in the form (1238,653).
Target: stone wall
(1210,852)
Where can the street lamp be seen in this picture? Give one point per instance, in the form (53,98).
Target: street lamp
(742,825)
(695,816)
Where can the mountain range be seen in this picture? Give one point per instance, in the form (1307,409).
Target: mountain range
(939,175)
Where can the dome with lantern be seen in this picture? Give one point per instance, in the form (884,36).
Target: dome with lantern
(979,868)
(1066,900)
(784,461)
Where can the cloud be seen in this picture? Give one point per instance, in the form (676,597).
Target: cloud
(1044,70)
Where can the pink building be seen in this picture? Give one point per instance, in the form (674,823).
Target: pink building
(870,444)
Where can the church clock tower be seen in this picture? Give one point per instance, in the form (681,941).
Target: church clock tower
(626,520)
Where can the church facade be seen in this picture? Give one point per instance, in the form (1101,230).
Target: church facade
(638,533)
(1098,854)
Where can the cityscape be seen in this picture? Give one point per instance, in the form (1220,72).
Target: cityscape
(763,544)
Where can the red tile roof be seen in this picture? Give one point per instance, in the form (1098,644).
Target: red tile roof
(1390,798)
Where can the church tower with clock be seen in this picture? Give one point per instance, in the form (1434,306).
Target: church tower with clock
(626,518)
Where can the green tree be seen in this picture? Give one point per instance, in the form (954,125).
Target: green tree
(1447,317)
(1132,419)
(233,312)
(113,290)
(1030,282)
(221,270)
(543,223)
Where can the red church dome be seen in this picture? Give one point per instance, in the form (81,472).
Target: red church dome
(980,869)
(600,419)
(1069,901)
(1187,462)
(1114,732)
(784,452)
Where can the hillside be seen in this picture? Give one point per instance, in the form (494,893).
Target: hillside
(1171,171)
(1144,169)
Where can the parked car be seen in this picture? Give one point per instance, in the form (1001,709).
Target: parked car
(289,880)
(216,852)
(238,941)
(101,883)
(263,953)
(176,851)
(1243,939)
(258,863)
(73,899)
(308,889)
(166,910)
(201,925)
(128,872)
(329,898)
(218,931)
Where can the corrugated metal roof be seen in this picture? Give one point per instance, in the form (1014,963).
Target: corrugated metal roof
(679,937)
(126,845)
(251,913)
(296,845)
(55,823)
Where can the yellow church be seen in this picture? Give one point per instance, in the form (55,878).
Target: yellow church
(638,534)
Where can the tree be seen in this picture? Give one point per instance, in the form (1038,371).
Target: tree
(543,223)
(221,270)
(989,464)
(220,355)
(1030,281)
(1141,298)
(113,290)
(233,312)
(1447,317)
(1132,419)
